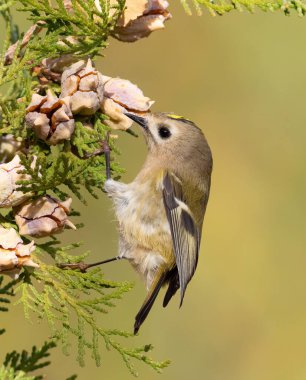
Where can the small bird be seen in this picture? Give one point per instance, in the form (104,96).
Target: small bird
(160,214)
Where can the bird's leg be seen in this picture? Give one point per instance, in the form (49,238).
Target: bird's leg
(106,150)
(82,267)
(103,149)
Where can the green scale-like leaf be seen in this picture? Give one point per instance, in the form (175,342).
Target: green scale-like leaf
(71,300)
(220,7)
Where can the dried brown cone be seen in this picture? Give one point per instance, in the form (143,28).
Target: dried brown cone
(45,75)
(50,118)
(140,19)
(9,176)
(9,146)
(51,69)
(121,96)
(84,85)
(44,216)
(11,51)
(14,254)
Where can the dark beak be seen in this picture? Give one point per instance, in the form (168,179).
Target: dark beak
(138,119)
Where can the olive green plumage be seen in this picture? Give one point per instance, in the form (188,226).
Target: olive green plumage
(160,214)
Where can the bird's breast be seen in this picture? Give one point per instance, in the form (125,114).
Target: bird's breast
(142,218)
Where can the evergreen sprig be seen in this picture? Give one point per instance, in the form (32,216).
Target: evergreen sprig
(70,301)
(220,7)
(27,362)
(6,291)
(18,365)
(48,172)
(83,31)
(11,374)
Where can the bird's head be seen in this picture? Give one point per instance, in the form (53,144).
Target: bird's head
(173,140)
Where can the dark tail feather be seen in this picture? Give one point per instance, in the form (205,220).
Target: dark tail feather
(149,301)
(174,284)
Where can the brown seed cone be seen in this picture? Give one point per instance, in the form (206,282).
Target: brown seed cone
(121,96)
(50,118)
(44,216)
(84,85)
(141,18)
(9,176)
(14,254)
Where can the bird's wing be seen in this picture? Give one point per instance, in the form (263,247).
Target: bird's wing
(185,234)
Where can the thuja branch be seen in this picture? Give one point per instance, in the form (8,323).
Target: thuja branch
(68,293)
(81,30)
(220,7)
(28,362)
(6,292)
(57,117)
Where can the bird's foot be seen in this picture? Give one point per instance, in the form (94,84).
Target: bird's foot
(82,267)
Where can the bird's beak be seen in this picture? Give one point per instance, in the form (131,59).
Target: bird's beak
(138,119)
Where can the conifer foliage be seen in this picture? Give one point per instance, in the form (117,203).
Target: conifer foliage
(39,174)
(220,7)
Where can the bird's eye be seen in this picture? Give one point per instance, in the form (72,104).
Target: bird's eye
(164,132)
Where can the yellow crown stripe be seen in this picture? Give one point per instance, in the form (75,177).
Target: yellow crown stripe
(181,118)
(173,116)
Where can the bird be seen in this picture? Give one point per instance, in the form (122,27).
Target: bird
(160,213)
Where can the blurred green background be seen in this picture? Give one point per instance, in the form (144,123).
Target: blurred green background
(242,79)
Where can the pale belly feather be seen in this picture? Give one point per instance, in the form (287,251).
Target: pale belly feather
(145,237)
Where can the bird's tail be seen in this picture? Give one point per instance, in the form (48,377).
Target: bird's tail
(162,277)
(149,301)
(174,285)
